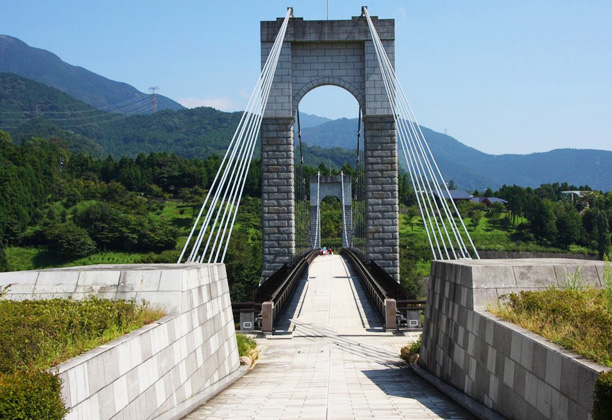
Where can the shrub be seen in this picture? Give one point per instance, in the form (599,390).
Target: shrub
(245,344)
(411,352)
(576,318)
(602,397)
(31,395)
(70,240)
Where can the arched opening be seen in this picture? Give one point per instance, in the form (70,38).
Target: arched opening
(331,223)
(326,141)
(329,101)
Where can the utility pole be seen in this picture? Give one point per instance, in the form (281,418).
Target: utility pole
(153,90)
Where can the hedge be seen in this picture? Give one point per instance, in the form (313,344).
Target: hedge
(602,398)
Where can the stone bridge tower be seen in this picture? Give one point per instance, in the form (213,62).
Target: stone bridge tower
(339,53)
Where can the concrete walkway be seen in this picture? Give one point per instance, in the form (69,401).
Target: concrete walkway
(331,360)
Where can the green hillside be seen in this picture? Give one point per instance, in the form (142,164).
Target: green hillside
(31,109)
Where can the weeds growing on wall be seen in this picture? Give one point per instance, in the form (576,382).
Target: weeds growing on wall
(37,335)
(245,344)
(607,280)
(579,319)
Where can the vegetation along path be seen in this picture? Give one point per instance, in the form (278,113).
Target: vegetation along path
(338,364)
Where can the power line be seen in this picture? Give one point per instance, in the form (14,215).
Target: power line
(153,90)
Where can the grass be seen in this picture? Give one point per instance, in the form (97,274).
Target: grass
(24,258)
(577,318)
(246,345)
(37,335)
(43,333)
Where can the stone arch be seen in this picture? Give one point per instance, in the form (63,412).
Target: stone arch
(328,81)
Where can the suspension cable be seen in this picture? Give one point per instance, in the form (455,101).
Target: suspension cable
(344,227)
(426,181)
(227,187)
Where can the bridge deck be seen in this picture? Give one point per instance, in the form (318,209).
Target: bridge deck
(330,296)
(338,365)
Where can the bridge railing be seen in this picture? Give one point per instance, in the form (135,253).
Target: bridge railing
(274,306)
(387,295)
(378,295)
(271,297)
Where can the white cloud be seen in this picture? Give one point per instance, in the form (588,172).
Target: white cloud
(222,103)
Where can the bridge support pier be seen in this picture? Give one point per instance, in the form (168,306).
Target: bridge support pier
(382,209)
(277,193)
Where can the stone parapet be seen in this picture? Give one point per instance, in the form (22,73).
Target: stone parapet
(509,369)
(156,368)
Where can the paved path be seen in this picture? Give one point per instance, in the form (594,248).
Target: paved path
(333,362)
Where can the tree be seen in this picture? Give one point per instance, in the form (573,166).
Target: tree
(5,138)
(243,265)
(69,240)
(475,218)
(409,277)
(542,220)
(405,191)
(4,266)
(452,185)
(597,228)
(568,225)
(411,213)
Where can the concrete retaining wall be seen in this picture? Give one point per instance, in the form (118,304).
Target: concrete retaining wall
(154,369)
(516,373)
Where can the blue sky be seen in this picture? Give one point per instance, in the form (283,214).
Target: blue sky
(500,76)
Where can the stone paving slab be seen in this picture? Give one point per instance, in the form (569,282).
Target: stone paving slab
(338,365)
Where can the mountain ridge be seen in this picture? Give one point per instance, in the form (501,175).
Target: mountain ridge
(46,67)
(472,169)
(199,132)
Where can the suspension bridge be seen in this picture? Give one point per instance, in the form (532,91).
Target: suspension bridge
(298,56)
(339,311)
(331,326)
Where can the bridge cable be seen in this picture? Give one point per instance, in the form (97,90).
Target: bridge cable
(223,198)
(421,163)
(344,225)
(357,210)
(301,199)
(317,233)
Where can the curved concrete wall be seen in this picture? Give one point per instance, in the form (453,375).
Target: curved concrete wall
(154,369)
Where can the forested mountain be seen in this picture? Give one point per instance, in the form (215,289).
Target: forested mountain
(31,109)
(43,66)
(308,120)
(471,169)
